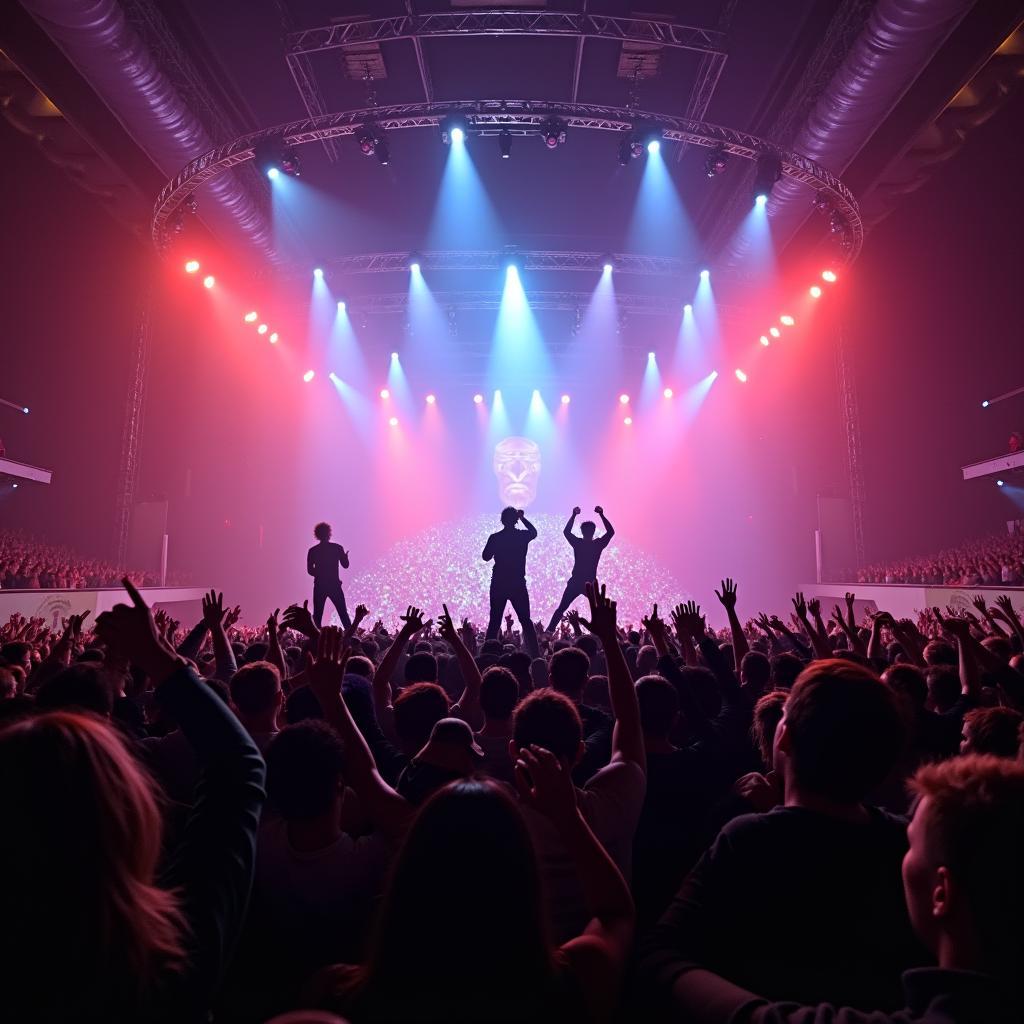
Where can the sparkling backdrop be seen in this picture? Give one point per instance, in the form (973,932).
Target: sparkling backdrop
(443,565)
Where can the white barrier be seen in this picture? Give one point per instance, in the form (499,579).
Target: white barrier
(54,605)
(906,600)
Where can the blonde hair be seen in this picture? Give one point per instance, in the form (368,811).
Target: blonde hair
(87,926)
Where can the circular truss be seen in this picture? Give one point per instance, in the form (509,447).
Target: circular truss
(519,117)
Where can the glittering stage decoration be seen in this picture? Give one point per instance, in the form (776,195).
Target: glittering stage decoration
(443,565)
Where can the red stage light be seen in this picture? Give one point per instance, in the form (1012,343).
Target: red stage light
(667,392)
(309,375)
(775,332)
(628,421)
(787,321)
(251,317)
(741,376)
(384,393)
(829,275)
(623,398)
(393,421)
(273,338)
(764,340)
(192,266)
(431,399)
(815,292)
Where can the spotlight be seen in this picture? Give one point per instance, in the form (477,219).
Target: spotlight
(341,305)
(741,376)
(761,199)
(984,405)
(414,261)
(24,409)
(384,393)
(764,340)
(478,398)
(715,163)
(769,170)
(192,266)
(309,375)
(654,146)
(536,392)
(318,273)
(394,356)
(553,133)
(334,378)
(705,274)
(393,421)
(687,308)
(786,320)
(636,149)
(829,275)
(431,399)
(372,143)
(512,259)
(815,291)
(628,421)
(262,329)
(274,158)
(775,332)
(667,392)
(209,281)
(454,129)
(15,486)
(624,398)
(565,399)
(608,262)
(650,355)
(273,338)
(505,143)
(999,483)
(251,317)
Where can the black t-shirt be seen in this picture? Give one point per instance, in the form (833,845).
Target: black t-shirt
(796,905)
(324,561)
(508,547)
(588,554)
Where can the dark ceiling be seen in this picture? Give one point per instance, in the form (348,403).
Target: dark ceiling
(227,59)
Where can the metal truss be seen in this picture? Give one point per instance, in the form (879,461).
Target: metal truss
(503,23)
(487,117)
(131,437)
(570,301)
(495,259)
(849,406)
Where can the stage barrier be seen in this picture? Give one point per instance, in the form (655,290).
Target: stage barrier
(906,600)
(184,603)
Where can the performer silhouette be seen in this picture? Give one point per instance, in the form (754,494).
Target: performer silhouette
(322,564)
(508,577)
(587,553)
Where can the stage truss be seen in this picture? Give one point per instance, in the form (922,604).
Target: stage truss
(524,117)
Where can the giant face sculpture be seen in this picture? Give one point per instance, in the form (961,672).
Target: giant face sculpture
(517,467)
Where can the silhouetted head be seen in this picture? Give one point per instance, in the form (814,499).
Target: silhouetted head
(550,720)
(499,693)
(509,516)
(991,731)
(588,529)
(417,709)
(568,672)
(659,706)
(305,765)
(322,531)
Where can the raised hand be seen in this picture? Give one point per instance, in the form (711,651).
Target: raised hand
(446,627)
(573,618)
(1005,605)
(814,607)
(655,625)
(602,613)
(850,598)
(273,627)
(213,609)
(545,784)
(599,510)
(958,628)
(412,621)
(300,619)
(326,670)
(361,613)
(130,629)
(231,616)
(688,621)
(576,511)
(508,622)
(728,595)
(800,605)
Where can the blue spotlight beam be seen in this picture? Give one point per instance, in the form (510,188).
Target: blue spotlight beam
(660,223)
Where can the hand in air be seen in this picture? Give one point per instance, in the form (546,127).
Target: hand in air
(576,511)
(413,621)
(655,625)
(300,619)
(602,613)
(446,627)
(213,609)
(599,510)
(728,594)
(326,670)
(800,605)
(130,630)
(544,783)
(688,621)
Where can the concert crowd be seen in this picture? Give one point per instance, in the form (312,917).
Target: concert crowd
(801,818)
(990,562)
